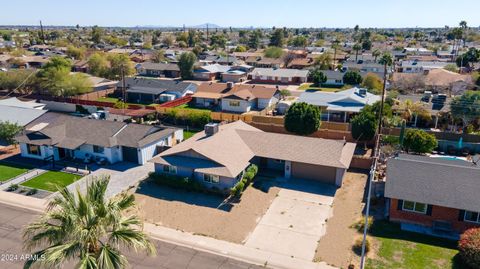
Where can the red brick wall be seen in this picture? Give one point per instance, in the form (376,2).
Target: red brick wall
(438,213)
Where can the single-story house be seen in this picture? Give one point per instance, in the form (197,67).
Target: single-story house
(149,90)
(210,72)
(339,106)
(239,98)
(436,196)
(150,69)
(223,60)
(301,63)
(436,80)
(264,62)
(234,76)
(219,156)
(419,66)
(367,67)
(278,75)
(61,136)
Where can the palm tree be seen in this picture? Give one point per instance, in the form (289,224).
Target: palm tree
(356,48)
(386,60)
(335,46)
(376,53)
(464,26)
(88,229)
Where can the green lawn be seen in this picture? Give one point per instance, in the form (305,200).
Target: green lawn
(50,179)
(308,86)
(188,134)
(8,171)
(398,249)
(187,107)
(107,99)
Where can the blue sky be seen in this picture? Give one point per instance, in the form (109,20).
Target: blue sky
(265,13)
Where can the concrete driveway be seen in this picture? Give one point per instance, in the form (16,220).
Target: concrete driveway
(122,176)
(296,219)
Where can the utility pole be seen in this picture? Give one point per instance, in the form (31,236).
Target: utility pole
(207,32)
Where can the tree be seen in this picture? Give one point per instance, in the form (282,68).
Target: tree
(317,77)
(356,48)
(451,68)
(98,64)
(75,53)
(352,78)
(192,38)
(373,83)
(277,39)
(86,229)
(186,63)
(158,56)
(119,63)
(469,247)
(468,58)
(97,34)
(168,40)
(302,119)
(21,80)
(300,41)
(419,141)
(466,107)
(364,126)
(240,48)
(254,39)
(273,52)
(324,61)
(8,130)
(376,53)
(218,40)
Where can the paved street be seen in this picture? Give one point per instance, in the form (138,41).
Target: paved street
(169,256)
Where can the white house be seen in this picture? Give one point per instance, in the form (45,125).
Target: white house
(59,136)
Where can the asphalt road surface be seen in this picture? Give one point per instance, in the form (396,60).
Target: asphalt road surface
(169,256)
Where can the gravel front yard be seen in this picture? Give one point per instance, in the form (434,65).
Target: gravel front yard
(335,247)
(197,212)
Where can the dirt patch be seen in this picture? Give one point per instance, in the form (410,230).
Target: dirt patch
(335,247)
(197,213)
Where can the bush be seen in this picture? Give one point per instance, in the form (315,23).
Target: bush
(469,246)
(419,141)
(32,192)
(360,224)
(177,182)
(247,178)
(188,117)
(12,187)
(302,119)
(357,246)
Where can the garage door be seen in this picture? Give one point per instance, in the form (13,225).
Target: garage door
(130,154)
(320,173)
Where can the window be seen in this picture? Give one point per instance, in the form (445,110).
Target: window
(414,207)
(211,178)
(338,81)
(170,169)
(98,149)
(33,150)
(472,216)
(234,103)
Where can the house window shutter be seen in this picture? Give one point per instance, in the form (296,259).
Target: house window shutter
(461,215)
(429,210)
(399,204)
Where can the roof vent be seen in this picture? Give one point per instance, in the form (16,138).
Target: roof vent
(211,128)
(362,92)
(229,85)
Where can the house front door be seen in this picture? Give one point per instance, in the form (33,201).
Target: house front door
(61,153)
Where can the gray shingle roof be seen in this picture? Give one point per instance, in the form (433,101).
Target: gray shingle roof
(441,182)
(20,115)
(156,86)
(159,66)
(71,132)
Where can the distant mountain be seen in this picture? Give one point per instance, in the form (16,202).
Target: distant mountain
(200,26)
(204,26)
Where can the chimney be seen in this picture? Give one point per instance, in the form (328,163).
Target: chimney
(211,128)
(229,85)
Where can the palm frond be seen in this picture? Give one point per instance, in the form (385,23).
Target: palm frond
(110,258)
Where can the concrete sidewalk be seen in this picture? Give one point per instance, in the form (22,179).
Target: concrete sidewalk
(23,177)
(196,242)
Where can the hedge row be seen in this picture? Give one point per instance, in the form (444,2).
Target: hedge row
(247,178)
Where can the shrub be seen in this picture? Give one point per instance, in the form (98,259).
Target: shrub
(177,182)
(469,246)
(419,141)
(302,119)
(360,224)
(357,246)
(32,192)
(248,176)
(12,187)
(238,188)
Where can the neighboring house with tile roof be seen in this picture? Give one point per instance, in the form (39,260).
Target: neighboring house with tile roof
(339,106)
(219,156)
(67,137)
(239,98)
(150,90)
(433,195)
